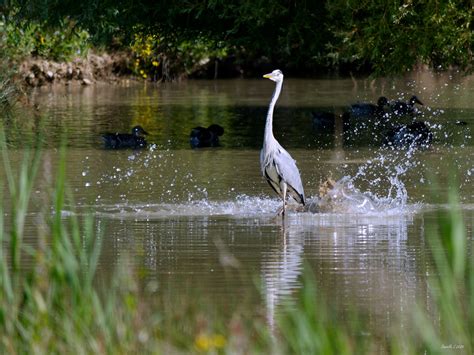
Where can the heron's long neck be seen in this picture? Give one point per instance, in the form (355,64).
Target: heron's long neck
(269,125)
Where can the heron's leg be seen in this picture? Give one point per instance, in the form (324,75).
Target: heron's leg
(282,209)
(283,189)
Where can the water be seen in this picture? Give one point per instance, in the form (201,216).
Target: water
(202,222)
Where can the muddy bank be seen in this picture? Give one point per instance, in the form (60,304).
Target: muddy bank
(95,67)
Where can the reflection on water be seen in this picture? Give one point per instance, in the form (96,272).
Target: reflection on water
(203,221)
(350,251)
(281,268)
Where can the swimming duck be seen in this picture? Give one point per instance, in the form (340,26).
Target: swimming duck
(363,118)
(364,109)
(401,108)
(201,137)
(416,134)
(135,140)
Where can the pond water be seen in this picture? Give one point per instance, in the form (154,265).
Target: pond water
(202,222)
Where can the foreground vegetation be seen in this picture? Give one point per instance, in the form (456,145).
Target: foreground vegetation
(52,300)
(169,39)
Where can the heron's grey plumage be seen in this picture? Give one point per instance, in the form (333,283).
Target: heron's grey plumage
(277,165)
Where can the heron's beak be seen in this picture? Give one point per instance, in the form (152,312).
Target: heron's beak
(419,102)
(268,76)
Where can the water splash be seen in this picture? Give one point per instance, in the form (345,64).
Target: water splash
(344,197)
(342,201)
(377,186)
(386,169)
(243,206)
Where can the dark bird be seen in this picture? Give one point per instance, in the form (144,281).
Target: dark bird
(201,137)
(401,108)
(135,140)
(364,109)
(416,134)
(323,120)
(365,120)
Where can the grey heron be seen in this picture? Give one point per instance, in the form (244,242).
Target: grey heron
(278,167)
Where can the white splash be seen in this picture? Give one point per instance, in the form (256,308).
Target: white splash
(344,197)
(243,206)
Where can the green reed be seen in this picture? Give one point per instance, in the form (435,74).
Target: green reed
(54,304)
(314,326)
(9,90)
(451,286)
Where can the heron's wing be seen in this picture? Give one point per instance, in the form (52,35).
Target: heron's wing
(289,173)
(270,172)
(273,179)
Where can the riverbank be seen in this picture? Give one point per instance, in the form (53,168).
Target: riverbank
(114,67)
(105,67)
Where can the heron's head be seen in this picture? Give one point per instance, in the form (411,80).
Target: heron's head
(138,130)
(275,75)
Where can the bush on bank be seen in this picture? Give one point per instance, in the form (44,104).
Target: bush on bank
(302,38)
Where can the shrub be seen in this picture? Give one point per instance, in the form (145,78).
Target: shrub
(159,57)
(24,38)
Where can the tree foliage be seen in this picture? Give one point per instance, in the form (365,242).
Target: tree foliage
(395,36)
(384,37)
